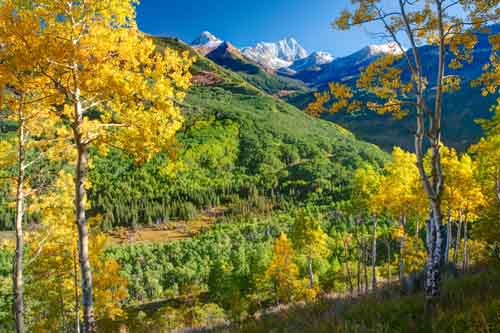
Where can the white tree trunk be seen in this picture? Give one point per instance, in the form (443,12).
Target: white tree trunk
(448,238)
(434,257)
(81,219)
(310,271)
(18,281)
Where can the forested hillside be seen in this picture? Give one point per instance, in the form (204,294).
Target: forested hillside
(238,142)
(147,185)
(460,111)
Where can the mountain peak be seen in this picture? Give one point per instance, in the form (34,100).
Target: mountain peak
(381,49)
(206,42)
(206,39)
(276,55)
(314,60)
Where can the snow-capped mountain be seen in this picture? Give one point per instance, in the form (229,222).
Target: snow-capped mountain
(345,67)
(276,55)
(206,42)
(314,60)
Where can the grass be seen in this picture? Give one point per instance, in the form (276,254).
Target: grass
(468,304)
(6,236)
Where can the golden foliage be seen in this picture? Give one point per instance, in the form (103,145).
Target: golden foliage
(283,273)
(53,265)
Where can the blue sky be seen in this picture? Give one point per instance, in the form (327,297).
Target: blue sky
(246,22)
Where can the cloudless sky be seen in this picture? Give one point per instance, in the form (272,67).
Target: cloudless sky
(246,22)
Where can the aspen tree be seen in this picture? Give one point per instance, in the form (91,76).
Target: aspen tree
(414,23)
(25,101)
(115,88)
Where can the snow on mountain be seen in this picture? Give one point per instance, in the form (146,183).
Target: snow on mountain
(372,51)
(315,59)
(389,48)
(348,66)
(276,55)
(206,42)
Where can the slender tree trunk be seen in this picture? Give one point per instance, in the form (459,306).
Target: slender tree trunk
(77,297)
(434,258)
(402,251)
(18,282)
(358,274)
(374,254)
(417,232)
(458,238)
(310,271)
(347,269)
(448,238)
(465,262)
(365,265)
(388,245)
(81,219)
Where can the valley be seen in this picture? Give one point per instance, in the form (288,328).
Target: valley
(149,183)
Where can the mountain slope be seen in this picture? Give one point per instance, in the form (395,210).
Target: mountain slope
(460,110)
(231,58)
(239,143)
(344,68)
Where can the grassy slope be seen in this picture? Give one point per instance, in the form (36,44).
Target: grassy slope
(241,99)
(467,304)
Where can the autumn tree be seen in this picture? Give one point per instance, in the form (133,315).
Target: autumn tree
(310,240)
(282,272)
(399,197)
(487,159)
(462,197)
(53,290)
(25,102)
(366,186)
(112,86)
(446,25)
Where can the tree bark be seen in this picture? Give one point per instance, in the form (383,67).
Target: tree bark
(18,281)
(434,258)
(77,297)
(81,219)
(374,254)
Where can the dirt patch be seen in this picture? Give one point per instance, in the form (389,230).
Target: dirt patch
(170,231)
(205,78)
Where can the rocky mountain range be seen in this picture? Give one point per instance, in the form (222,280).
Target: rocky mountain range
(285,69)
(287,57)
